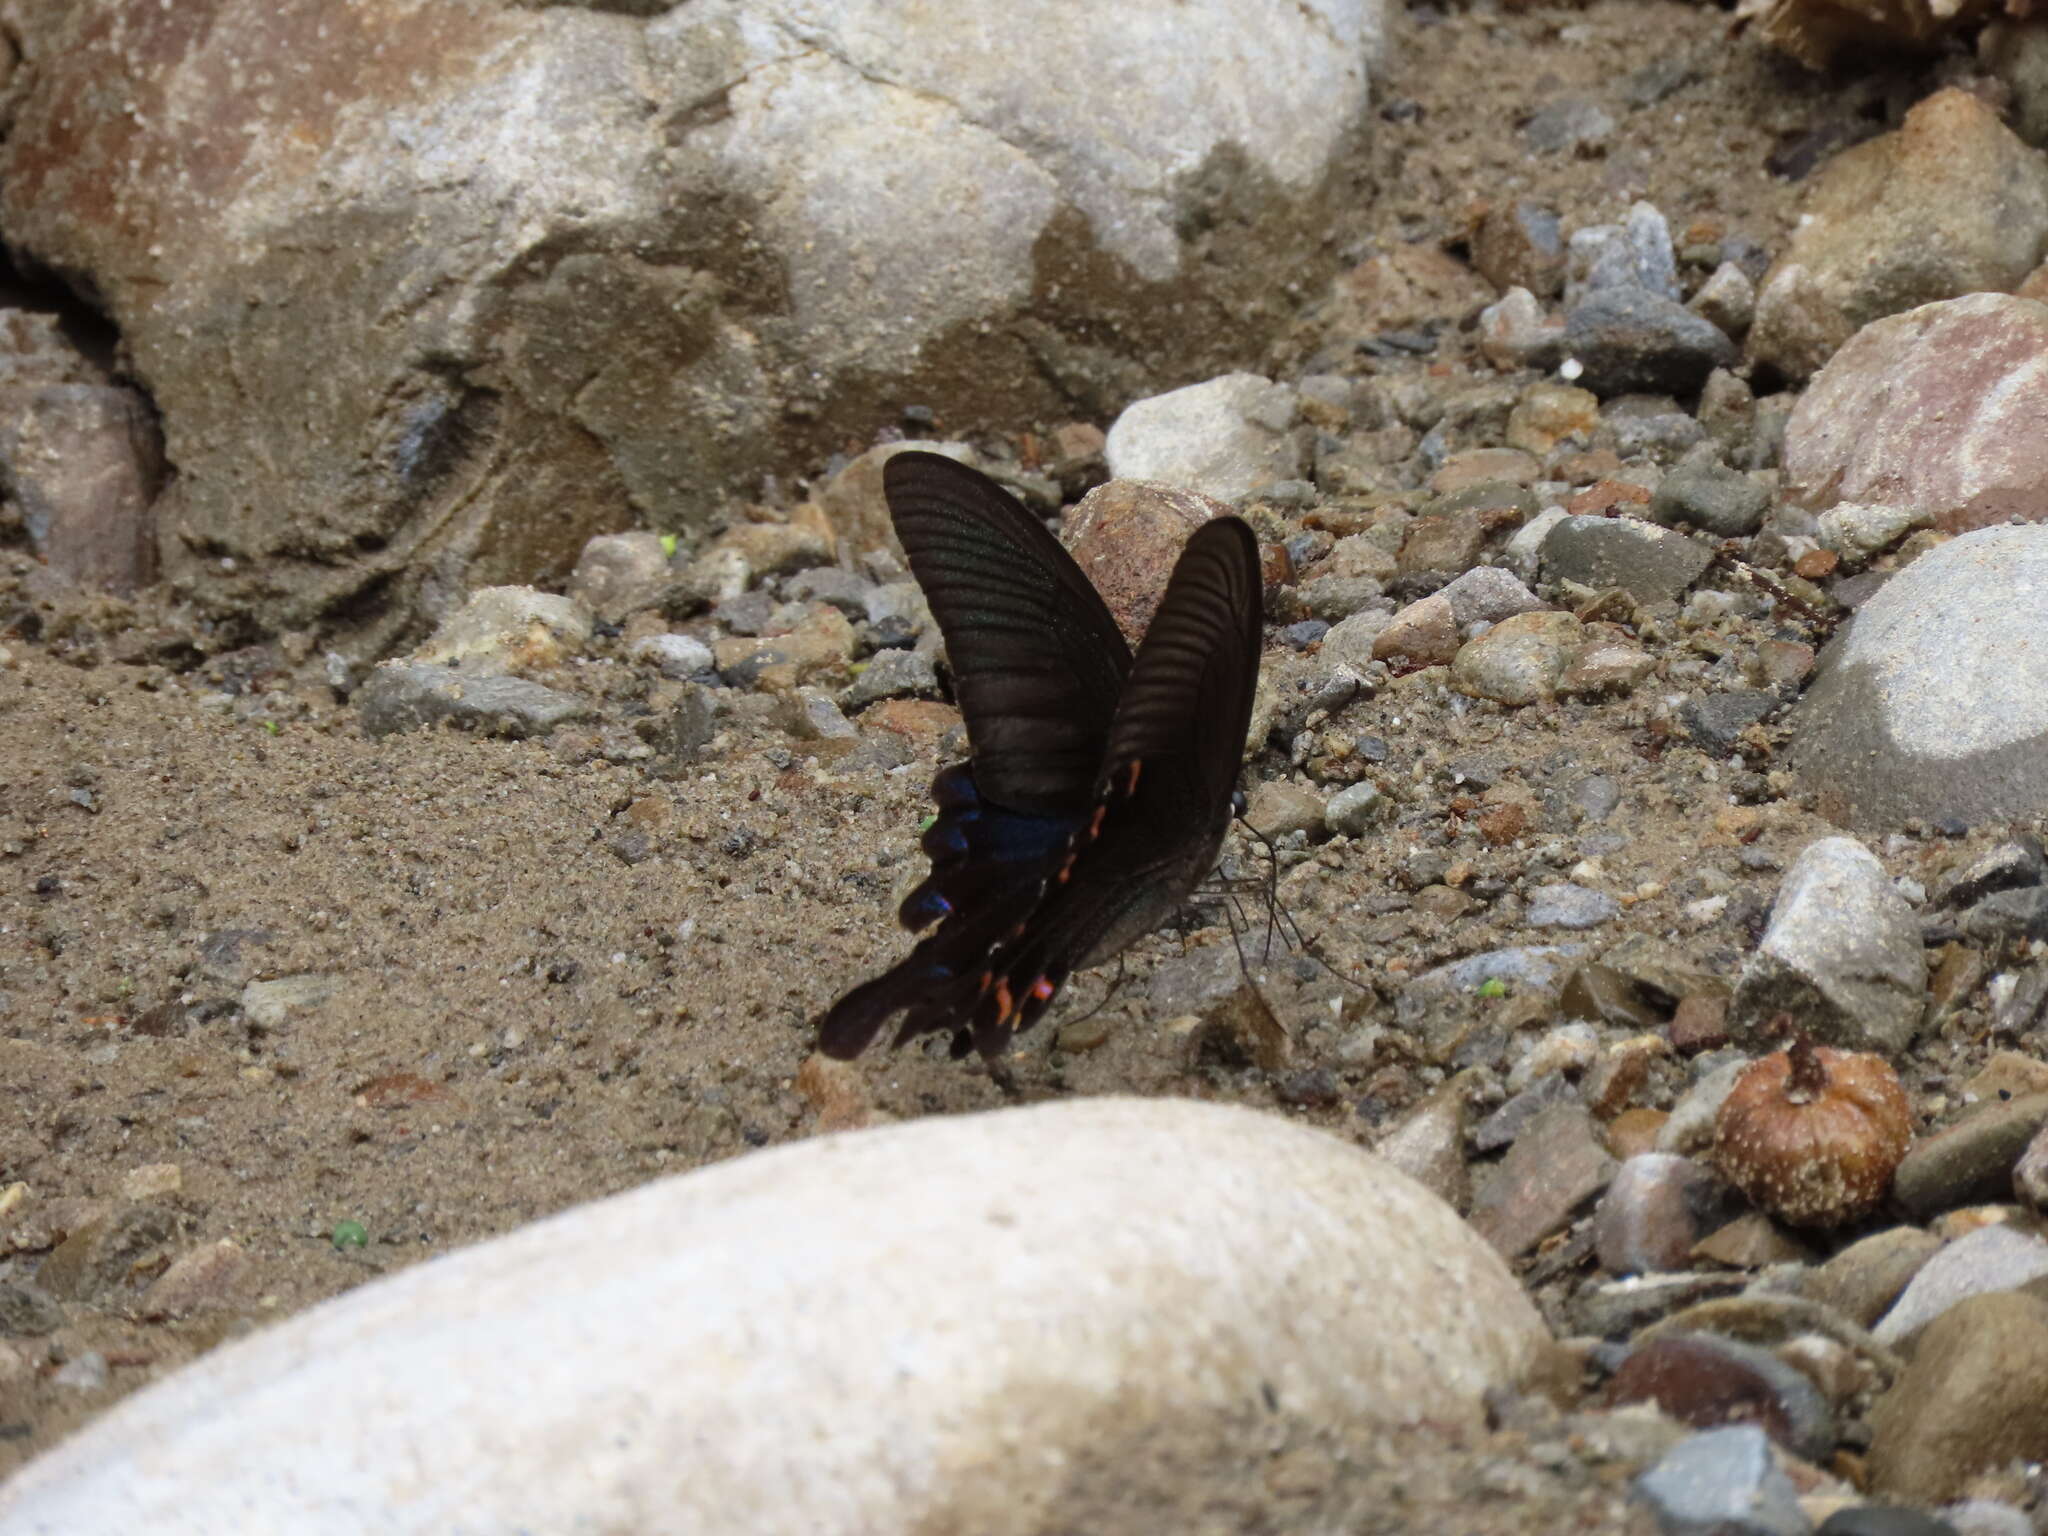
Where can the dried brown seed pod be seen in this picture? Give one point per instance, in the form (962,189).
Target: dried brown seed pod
(1813,1135)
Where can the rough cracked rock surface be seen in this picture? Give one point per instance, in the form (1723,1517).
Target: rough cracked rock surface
(1119,1285)
(1933,700)
(455,285)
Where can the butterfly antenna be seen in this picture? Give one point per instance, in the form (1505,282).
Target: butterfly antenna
(1271,882)
(1278,916)
(1108,992)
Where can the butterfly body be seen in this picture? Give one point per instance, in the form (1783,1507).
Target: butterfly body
(1099,786)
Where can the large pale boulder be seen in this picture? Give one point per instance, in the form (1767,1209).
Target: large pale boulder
(1932,701)
(427,294)
(1018,1321)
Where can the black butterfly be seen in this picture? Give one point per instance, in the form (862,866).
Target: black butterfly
(1098,786)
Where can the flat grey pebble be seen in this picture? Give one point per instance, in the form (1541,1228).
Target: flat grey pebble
(1565,905)
(1723,1482)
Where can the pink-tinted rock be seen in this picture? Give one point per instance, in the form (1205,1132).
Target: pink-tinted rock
(1943,410)
(1657,1208)
(1478,466)
(1952,203)
(1703,1379)
(212,1278)
(1556,1165)
(83,462)
(1424,634)
(1126,536)
(1406,286)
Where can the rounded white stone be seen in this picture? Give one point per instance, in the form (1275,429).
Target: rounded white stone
(923,1326)
(1955,644)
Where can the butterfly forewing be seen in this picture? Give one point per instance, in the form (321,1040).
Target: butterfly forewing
(1038,663)
(1187,703)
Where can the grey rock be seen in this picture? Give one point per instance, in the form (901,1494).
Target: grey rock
(1519,661)
(1717,721)
(1356,809)
(1659,435)
(1972,1162)
(843,589)
(1651,564)
(1658,1206)
(1635,253)
(1985,1518)
(1932,701)
(1726,300)
(1842,955)
(1886,1520)
(1565,905)
(891,675)
(900,603)
(1350,640)
(1501,1128)
(1630,339)
(1429,1144)
(1524,549)
(812,715)
(1595,797)
(683,730)
(87,1372)
(1710,496)
(1993,1258)
(746,613)
(1556,1166)
(1611,1309)
(621,573)
(2009,866)
(1865,1278)
(1856,530)
(1690,1130)
(1487,594)
(677,656)
(2030,1174)
(406,696)
(1570,125)
(1516,332)
(27,1311)
(2018,55)
(1229,437)
(272,1005)
(1175,1199)
(1333,599)
(1723,1482)
(503,629)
